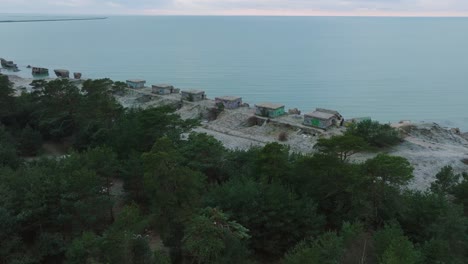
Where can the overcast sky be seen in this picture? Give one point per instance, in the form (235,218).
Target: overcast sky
(241,7)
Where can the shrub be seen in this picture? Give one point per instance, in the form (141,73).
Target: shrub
(30,141)
(190,98)
(220,107)
(283,136)
(375,134)
(213,113)
(342,146)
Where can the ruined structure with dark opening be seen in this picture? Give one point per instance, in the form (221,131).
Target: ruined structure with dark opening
(62,73)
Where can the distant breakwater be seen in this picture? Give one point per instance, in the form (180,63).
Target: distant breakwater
(51,20)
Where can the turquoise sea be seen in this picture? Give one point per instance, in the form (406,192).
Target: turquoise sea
(390,69)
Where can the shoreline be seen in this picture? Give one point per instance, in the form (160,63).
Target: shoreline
(426,145)
(52,20)
(25,82)
(394,120)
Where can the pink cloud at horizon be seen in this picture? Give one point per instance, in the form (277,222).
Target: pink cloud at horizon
(418,8)
(285,12)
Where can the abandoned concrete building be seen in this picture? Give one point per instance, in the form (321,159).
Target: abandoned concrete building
(193,95)
(136,83)
(269,110)
(162,89)
(62,73)
(323,118)
(39,71)
(229,102)
(77,75)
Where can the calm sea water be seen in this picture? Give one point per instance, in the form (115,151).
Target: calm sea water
(387,68)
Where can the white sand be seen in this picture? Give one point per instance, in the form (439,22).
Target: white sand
(430,147)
